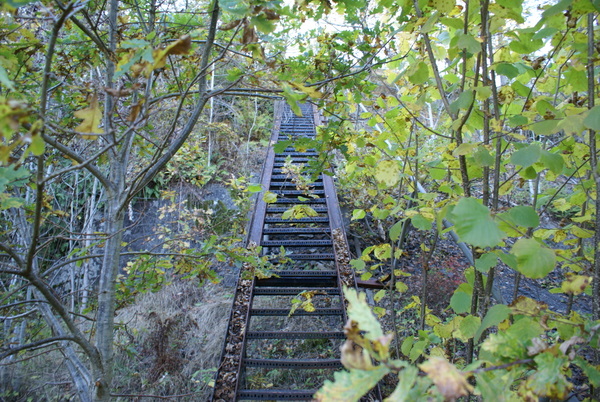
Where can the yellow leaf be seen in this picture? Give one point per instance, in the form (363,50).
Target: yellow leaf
(387,172)
(181,46)
(92,116)
(313,93)
(575,284)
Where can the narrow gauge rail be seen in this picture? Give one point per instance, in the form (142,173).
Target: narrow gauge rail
(269,354)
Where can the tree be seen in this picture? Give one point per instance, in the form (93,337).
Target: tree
(123,86)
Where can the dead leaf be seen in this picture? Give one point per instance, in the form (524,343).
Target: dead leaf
(181,46)
(134,112)
(249,35)
(567,349)
(451,383)
(355,357)
(230,25)
(537,347)
(118,93)
(270,14)
(92,117)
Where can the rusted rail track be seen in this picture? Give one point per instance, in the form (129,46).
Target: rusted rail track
(268,353)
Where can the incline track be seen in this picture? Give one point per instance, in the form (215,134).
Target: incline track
(268,354)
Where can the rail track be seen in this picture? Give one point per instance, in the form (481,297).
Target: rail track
(270,354)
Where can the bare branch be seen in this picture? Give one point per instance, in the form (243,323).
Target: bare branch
(35,345)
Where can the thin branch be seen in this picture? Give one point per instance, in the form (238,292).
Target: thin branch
(500,367)
(8,250)
(77,157)
(35,345)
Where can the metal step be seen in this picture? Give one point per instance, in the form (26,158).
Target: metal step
(294,335)
(280,210)
(286,177)
(280,184)
(312,219)
(281,159)
(294,363)
(297,201)
(311,257)
(298,193)
(295,231)
(276,394)
(300,279)
(296,243)
(302,154)
(298,312)
(264,291)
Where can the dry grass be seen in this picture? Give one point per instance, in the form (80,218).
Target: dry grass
(170,341)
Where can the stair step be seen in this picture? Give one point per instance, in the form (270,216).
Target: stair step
(297,201)
(286,177)
(294,335)
(295,231)
(276,394)
(298,312)
(281,184)
(296,243)
(263,291)
(294,363)
(311,219)
(279,210)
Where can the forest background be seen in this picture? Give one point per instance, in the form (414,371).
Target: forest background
(491,107)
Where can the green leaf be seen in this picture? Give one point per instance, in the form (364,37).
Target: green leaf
(18,3)
(549,379)
(508,70)
(281,146)
(592,373)
(518,120)
(350,385)
(236,8)
(482,157)
(533,260)
(358,214)
(529,173)
(474,224)
(495,315)
(466,148)
(463,101)
(37,145)
(407,378)
(359,311)
(468,42)
(545,127)
(4,78)
(554,162)
(263,24)
(485,262)
(254,188)
(420,222)
(545,32)
(526,156)
(417,350)
(269,197)
(395,230)
(387,172)
(420,74)
(592,121)
(559,7)
(524,216)
(469,326)
(460,302)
